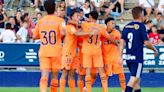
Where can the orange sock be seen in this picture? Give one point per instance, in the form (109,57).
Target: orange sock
(88,83)
(54,85)
(104,83)
(122,81)
(72,85)
(80,85)
(43,84)
(62,85)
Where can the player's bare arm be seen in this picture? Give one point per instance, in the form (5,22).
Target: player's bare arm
(150,46)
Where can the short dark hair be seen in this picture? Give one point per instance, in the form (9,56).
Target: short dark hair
(108,20)
(159,13)
(94,14)
(73,12)
(50,6)
(148,21)
(136,11)
(8,26)
(39,13)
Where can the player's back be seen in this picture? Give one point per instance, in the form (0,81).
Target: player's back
(91,44)
(134,35)
(49,33)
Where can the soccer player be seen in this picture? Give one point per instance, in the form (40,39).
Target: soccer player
(134,36)
(69,62)
(111,53)
(49,30)
(92,53)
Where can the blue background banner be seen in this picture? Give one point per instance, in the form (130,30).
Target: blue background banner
(27,55)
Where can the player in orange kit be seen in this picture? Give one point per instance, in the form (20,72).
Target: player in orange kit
(69,62)
(111,54)
(92,53)
(49,30)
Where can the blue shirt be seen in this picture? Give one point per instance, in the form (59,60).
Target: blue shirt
(134,35)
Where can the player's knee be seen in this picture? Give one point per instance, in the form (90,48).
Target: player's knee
(71,75)
(45,73)
(54,75)
(133,81)
(81,77)
(64,74)
(137,86)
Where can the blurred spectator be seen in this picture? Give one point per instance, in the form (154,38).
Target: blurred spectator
(8,36)
(81,15)
(38,17)
(31,25)
(62,4)
(148,25)
(1,4)
(71,5)
(96,3)
(80,3)
(158,21)
(18,18)
(23,33)
(86,8)
(36,5)
(149,7)
(14,27)
(116,11)
(2,23)
(161,6)
(8,4)
(154,36)
(21,3)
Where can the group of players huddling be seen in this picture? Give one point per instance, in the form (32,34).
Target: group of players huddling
(89,48)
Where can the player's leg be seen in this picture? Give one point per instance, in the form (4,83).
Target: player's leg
(63,80)
(93,75)
(136,71)
(80,82)
(87,64)
(98,62)
(56,65)
(54,81)
(45,68)
(71,80)
(118,69)
(137,87)
(122,81)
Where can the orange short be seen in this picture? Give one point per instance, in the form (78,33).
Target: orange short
(81,69)
(50,63)
(69,64)
(112,67)
(92,61)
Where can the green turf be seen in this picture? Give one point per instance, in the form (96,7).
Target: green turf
(31,89)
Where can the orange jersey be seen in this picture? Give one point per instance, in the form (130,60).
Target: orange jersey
(92,44)
(48,29)
(70,42)
(110,50)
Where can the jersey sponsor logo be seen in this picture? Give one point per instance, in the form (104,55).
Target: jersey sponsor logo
(135,26)
(2,55)
(31,55)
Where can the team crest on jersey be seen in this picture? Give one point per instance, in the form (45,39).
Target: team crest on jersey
(136,26)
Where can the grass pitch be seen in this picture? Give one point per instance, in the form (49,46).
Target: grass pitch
(94,89)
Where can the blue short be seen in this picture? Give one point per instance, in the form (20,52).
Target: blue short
(135,68)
